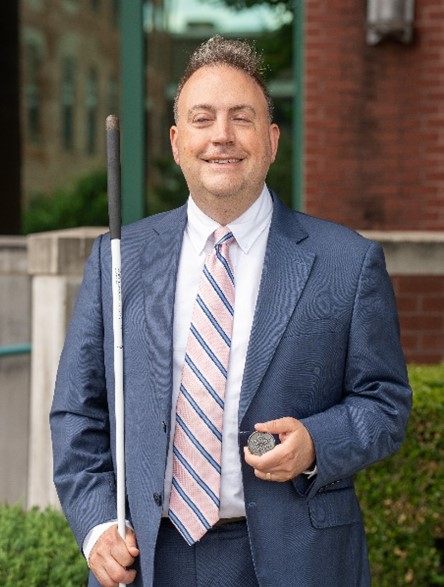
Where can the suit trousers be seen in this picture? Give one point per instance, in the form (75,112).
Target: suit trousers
(222,558)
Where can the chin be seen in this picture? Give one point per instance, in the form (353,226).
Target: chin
(223,190)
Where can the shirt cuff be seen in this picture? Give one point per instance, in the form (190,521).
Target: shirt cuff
(311,473)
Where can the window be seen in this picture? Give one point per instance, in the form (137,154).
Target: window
(67,102)
(91,112)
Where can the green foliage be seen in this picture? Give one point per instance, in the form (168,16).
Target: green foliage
(37,549)
(170,191)
(85,205)
(242,4)
(402,497)
(279,178)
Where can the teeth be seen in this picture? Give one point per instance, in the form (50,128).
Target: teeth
(225,161)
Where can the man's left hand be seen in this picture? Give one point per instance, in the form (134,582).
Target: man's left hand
(294,454)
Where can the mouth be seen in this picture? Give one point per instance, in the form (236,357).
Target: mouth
(223,161)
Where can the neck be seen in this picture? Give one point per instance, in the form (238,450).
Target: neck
(225,210)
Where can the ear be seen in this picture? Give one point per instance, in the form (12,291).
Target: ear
(174,132)
(274,140)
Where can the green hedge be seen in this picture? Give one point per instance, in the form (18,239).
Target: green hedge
(402,497)
(85,204)
(37,549)
(402,500)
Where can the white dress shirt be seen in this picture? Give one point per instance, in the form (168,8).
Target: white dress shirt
(247,254)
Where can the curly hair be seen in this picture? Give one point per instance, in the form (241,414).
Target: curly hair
(232,52)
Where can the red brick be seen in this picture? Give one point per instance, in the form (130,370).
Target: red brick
(409,341)
(433,304)
(424,358)
(433,342)
(407,304)
(374,139)
(421,284)
(421,323)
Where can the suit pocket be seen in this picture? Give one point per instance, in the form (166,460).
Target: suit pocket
(334,508)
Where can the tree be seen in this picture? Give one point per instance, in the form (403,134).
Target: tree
(241,4)
(277,45)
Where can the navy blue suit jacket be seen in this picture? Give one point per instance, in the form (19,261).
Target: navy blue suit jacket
(324,348)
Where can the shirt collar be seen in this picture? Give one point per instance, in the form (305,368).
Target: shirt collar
(246,229)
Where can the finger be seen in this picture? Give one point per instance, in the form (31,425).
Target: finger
(269,476)
(124,550)
(278,426)
(268,461)
(130,540)
(262,475)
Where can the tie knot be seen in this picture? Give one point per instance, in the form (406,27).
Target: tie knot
(222,235)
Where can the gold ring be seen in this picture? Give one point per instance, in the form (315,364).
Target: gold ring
(268,477)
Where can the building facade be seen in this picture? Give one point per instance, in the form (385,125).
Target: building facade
(374,119)
(374,146)
(70,82)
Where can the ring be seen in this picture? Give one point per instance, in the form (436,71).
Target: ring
(268,477)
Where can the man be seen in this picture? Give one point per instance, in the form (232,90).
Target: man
(308,351)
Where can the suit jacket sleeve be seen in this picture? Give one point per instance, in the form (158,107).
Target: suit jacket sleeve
(80,422)
(370,422)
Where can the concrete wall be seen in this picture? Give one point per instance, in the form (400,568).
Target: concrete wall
(55,261)
(15,329)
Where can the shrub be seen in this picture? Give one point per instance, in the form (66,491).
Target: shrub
(402,497)
(37,549)
(85,205)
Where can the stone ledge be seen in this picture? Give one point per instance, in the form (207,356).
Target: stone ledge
(13,255)
(65,251)
(61,252)
(411,252)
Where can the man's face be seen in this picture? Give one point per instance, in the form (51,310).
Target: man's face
(223,139)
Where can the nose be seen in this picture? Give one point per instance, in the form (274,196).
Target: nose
(222,131)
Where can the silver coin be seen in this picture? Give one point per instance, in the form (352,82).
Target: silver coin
(260,442)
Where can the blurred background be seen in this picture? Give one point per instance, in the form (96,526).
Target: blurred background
(358,87)
(66,63)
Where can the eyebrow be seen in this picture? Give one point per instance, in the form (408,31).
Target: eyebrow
(211,109)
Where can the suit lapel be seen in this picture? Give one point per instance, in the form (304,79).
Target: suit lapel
(159,263)
(285,273)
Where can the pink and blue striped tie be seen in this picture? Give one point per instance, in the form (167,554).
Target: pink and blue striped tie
(197,447)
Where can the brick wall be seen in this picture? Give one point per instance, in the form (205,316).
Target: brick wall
(415,262)
(420,300)
(374,119)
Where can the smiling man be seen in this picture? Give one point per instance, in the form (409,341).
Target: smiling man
(226,144)
(262,369)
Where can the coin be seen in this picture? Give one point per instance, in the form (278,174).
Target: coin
(260,442)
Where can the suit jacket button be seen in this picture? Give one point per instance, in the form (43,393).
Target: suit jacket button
(157,498)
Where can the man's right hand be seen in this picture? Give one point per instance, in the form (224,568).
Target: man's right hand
(111,556)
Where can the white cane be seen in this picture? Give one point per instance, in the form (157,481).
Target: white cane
(113,172)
